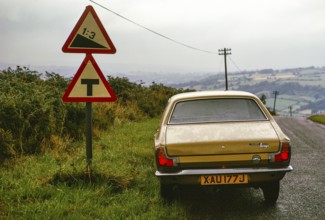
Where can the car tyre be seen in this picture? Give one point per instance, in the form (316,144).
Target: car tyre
(271,192)
(166,191)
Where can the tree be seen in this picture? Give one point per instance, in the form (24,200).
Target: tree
(263,99)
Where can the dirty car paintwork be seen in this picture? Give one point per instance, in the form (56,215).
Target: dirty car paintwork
(198,139)
(190,146)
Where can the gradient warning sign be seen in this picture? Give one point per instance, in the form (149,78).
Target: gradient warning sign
(89,36)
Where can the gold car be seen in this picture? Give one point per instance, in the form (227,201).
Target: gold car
(220,138)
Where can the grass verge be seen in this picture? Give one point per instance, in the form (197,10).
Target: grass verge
(318,118)
(120,185)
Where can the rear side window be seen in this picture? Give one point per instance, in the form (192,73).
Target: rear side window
(216,110)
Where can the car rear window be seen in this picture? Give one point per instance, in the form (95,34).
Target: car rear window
(216,110)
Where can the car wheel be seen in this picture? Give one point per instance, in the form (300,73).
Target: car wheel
(271,192)
(166,191)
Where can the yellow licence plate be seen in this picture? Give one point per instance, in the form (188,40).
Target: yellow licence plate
(224,179)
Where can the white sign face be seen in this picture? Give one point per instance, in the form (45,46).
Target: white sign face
(89,36)
(89,84)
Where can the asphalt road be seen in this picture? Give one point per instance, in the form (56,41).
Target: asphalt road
(302,192)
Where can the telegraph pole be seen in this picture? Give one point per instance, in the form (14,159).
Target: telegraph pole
(225,52)
(290,107)
(275,95)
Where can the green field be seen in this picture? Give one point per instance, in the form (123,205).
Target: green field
(318,118)
(57,185)
(301,88)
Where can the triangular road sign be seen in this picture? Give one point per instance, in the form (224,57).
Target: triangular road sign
(89,84)
(89,35)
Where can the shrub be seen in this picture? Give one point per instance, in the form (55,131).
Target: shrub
(35,119)
(31,111)
(7,146)
(147,101)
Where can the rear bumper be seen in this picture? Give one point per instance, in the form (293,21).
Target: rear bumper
(256,175)
(224,171)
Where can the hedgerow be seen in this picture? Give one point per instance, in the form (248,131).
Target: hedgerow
(33,117)
(31,111)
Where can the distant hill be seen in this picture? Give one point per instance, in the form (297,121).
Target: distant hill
(302,89)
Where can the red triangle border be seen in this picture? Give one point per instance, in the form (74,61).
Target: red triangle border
(66,97)
(66,47)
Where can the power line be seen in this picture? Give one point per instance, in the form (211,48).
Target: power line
(233,62)
(152,31)
(162,35)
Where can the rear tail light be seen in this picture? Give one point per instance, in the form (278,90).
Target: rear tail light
(163,159)
(284,154)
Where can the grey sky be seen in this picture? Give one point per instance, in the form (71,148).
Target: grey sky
(261,33)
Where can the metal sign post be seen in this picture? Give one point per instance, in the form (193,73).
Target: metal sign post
(89,139)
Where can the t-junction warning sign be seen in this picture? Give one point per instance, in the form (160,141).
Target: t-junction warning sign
(89,84)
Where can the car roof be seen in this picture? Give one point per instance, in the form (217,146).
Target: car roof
(211,94)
